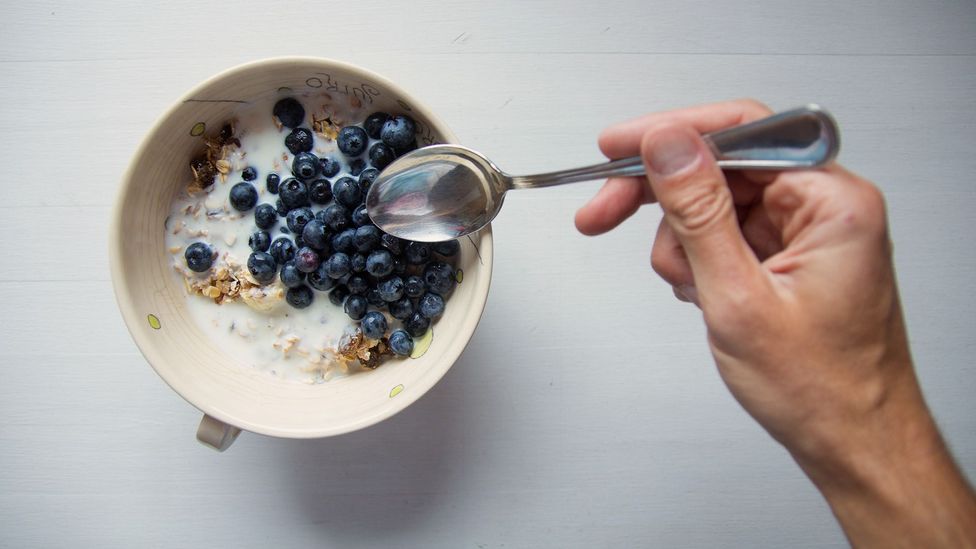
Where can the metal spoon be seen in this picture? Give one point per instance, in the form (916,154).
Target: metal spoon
(442,192)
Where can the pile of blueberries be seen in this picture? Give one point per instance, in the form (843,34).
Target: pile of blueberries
(328,243)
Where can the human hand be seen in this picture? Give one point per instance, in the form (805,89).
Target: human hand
(793,273)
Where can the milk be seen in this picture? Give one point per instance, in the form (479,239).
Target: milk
(289,343)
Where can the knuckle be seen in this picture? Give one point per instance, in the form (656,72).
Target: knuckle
(873,204)
(754,106)
(669,266)
(604,140)
(659,263)
(738,309)
(854,202)
(864,208)
(784,195)
(699,206)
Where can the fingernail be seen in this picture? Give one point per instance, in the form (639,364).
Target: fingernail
(689,292)
(673,152)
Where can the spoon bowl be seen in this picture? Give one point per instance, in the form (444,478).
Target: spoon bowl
(443,192)
(437,193)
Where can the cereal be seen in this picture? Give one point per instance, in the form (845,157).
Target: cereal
(302,331)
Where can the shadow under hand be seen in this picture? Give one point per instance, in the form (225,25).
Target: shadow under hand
(373,484)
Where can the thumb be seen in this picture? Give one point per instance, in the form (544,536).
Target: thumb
(698,207)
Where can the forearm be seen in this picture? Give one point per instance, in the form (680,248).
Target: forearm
(894,483)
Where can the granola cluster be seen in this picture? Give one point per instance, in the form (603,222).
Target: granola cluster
(326,127)
(230,282)
(354,346)
(213,162)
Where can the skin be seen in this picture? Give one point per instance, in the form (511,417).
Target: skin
(794,277)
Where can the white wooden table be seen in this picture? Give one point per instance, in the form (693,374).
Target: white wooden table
(586,412)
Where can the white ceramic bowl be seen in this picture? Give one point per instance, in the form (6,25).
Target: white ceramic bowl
(153,301)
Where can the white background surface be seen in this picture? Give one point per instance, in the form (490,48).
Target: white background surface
(586,412)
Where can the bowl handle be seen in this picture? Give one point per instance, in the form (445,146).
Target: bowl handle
(216,434)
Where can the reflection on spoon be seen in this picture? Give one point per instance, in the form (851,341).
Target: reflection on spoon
(431,195)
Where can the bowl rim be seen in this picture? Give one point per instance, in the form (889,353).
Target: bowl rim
(133,318)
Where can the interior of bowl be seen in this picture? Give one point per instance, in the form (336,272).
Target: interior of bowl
(153,301)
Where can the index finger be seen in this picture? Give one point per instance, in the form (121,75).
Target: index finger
(623,139)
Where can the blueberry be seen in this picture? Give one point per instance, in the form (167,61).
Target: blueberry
(299,297)
(306,260)
(338,295)
(380,155)
(280,208)
(401,343)
(374,124)
(335,216)
(448,248)
(265,216)
(401,309)
(414,286)
(366,179)
(360,216)
(249,174)
(199,257)
(412,146)
(358,263)
(272,182)
(439,278)
(300,242)
(391,289)
(391,243)
(357,284)
(243,196)
(366,238)
(290,275)
(259,241)
(289,112)
(226,133)
(294,193)
(417,324)
(320,191)
(329,166)
(417,253)
(262,267)
(299,141)
(337,266)
(352,140)
(374,325)
(347,192)
(284,230)
(374,299)
(282,249)
(320,280)
(315,235)
(431,305)
(357,166)
(379,263)
(399,265)
(305,165)
(297,219)
(343,241)
(398,132)
(355,306)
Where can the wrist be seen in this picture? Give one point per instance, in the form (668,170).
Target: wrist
(889,478)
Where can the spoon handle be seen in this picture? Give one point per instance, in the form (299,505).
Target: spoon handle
(806,137)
